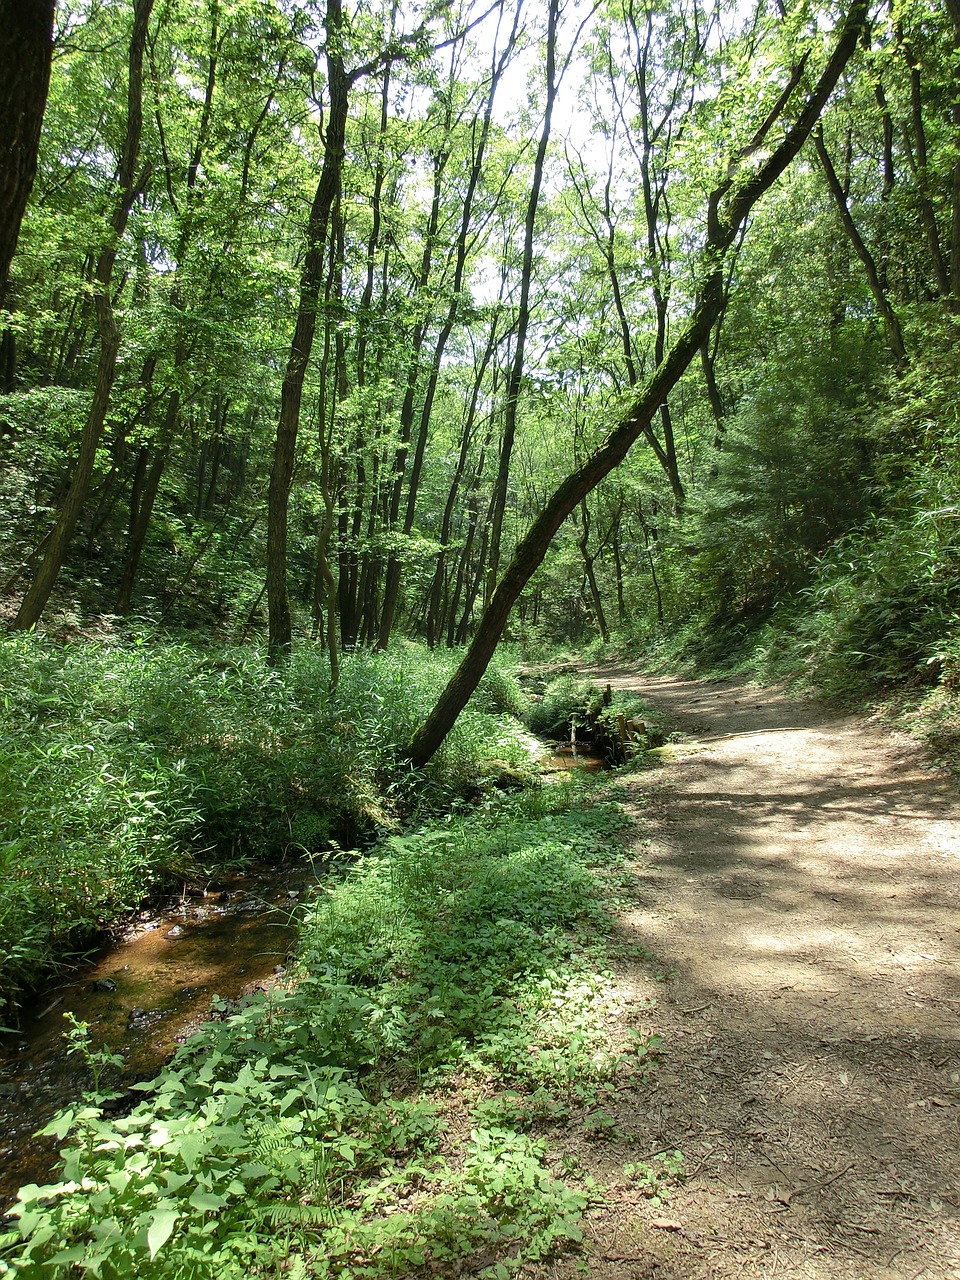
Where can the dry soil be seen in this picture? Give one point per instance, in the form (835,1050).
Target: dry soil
(797,886)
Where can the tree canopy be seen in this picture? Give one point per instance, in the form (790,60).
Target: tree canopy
(376,321)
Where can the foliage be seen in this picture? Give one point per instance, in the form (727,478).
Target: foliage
(291,1135)
(126,763)
(570,701)
(565,700)
(657,1177)
(793,474)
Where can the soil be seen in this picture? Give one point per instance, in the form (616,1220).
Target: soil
(797,888)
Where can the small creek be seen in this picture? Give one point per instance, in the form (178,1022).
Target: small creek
(141,998)
(149,992)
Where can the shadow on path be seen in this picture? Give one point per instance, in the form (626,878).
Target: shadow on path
(799,891)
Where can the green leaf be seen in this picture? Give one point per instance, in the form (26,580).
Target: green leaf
(158,1233)
(205,1201)
(59,1126)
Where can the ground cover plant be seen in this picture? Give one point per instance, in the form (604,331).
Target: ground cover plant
(384,1112)
(127,763)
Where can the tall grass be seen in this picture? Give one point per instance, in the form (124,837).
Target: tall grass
(125,764)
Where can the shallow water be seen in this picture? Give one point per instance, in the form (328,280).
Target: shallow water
(141,998)
(564,760)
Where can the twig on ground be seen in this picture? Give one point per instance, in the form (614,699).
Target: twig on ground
(819,1186)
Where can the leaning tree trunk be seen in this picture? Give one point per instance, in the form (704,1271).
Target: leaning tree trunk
(130,187)
(26,50)
(728,207)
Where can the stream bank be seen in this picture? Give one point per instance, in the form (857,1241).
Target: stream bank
(141,997)
(147,993)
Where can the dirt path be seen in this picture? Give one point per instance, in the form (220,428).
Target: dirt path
(798,889)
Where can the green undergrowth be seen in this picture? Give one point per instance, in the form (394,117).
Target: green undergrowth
(387,1112)
(570,700)
(126,764)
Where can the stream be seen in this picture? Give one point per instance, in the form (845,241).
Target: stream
(146,994)
(142,997)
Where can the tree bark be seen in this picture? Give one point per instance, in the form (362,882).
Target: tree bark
(130,188)
(291,393)
(583,542)
(391,588)
(150,466)
(889,316)
(26,51)
(515,375)
(728,207)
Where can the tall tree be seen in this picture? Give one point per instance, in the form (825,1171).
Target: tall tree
(131,181)
(311,283)
(729,204)
(515,375)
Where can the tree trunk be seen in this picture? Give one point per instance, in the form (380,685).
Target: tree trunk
(391,588)
(130,188)
(515,376)
(588,562)
(395,568)
(26,50)
(434,619)
(291,394)
(150,466)
(889,316)
(728,207)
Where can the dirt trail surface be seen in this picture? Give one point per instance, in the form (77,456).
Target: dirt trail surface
(798,888)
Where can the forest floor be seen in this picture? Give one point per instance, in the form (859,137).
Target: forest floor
(797,884)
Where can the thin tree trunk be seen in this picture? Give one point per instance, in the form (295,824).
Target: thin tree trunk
(130,188)
(500,62)
(708,364)
(434,620)
(333,388)
(391,588)
(150,468)
(889,316)
(291,393)
(515,376)
(954,7)
(588,562)
(918,160)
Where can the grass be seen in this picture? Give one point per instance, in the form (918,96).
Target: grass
(384,1113)
(127,764)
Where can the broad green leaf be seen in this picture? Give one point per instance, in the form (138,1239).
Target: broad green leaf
(160,1229)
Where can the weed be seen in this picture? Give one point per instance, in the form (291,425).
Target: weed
(657,1177)
(100,1062)
(290,1136)
(601,1126)
(125,765)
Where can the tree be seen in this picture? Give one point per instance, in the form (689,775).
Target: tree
(26,49)
(131,181)
(729,204)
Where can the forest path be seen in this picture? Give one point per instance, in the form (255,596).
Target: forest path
(797,884)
